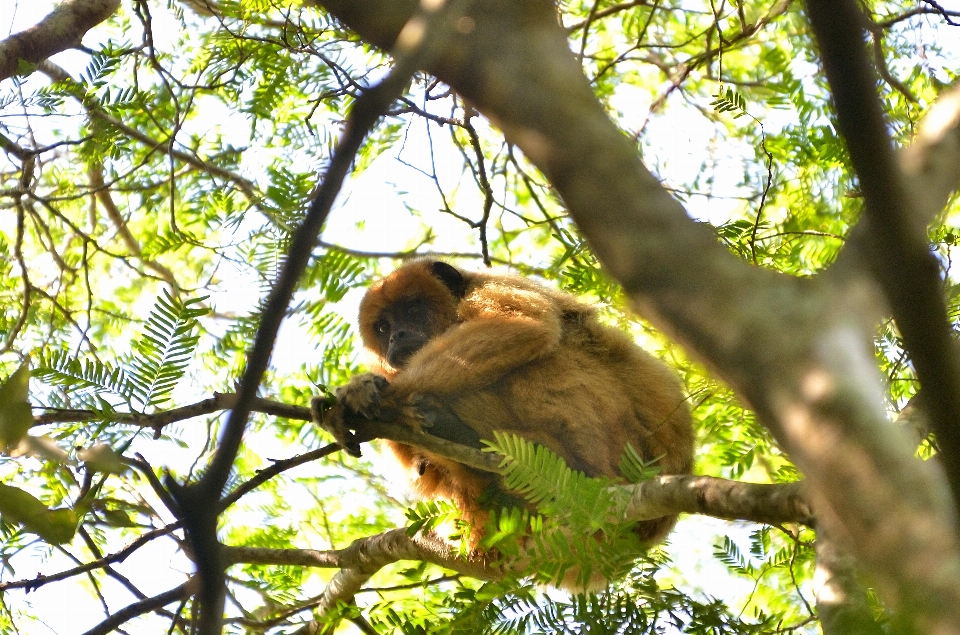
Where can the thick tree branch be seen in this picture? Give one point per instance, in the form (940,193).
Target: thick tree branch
(931,163)
(798,350)
(62,29)
(897,245)
(841,600)
(770,503)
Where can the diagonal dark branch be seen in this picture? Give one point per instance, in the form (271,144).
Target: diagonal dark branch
(198,500)
(112,623)
(897,247)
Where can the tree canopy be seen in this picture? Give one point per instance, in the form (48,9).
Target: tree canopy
(196,192)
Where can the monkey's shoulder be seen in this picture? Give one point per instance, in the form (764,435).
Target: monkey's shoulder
(491,294)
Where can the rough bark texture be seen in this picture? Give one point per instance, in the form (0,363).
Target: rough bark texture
(841,601)
(61,30)
(773,504)
(798,351)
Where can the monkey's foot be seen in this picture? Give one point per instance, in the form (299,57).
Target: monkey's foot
(331,419)
(421,412)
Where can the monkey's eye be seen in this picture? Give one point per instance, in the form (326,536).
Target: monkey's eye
(382,327)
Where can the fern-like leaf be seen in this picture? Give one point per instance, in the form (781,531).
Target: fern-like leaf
(426,515)
(634,468)
(84,378)
(729,554)
(165,349)
(730,101)
(544,480)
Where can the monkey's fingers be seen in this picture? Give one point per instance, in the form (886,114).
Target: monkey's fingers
(363,394)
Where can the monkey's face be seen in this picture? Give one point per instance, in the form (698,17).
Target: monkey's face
(402,312)
(403,328)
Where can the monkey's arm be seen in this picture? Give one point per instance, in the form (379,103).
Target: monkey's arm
(474,354)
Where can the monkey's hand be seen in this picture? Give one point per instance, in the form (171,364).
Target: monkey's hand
(362,395)
(360,399)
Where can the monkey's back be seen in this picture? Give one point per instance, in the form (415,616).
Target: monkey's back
(597,392)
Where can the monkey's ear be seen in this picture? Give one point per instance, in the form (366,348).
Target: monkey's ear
(450,277)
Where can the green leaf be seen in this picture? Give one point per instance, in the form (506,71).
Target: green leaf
(634,468)
(55,526)
(102,458)
(42,447)
(25,67)
(118,518)
(165,349)
(16,416)
(85,378)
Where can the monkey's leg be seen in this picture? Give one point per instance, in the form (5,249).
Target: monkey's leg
(440,421)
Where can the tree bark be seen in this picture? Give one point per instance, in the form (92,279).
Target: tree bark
(62,29)
(799,351)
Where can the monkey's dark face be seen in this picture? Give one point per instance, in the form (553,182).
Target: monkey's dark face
(403,328)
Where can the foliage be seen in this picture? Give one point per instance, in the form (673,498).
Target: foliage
(167,165)
(157,363)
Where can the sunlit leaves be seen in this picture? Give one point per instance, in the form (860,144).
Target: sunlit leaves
(211,132)
(102,458)
(55,526)
(165,348)
(88,380)
(16,416)
(565,542)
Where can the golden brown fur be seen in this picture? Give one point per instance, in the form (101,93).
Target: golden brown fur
(502,352)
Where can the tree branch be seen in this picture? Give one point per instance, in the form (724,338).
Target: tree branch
(931,163)
(841,600)
(62,29)
(799,351)
(111,624)
(219,402)
(663,495)
(770,503)
(120,556)
(898,249)
(102,193)
(96,111)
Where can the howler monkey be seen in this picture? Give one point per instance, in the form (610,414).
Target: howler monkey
(501,352)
